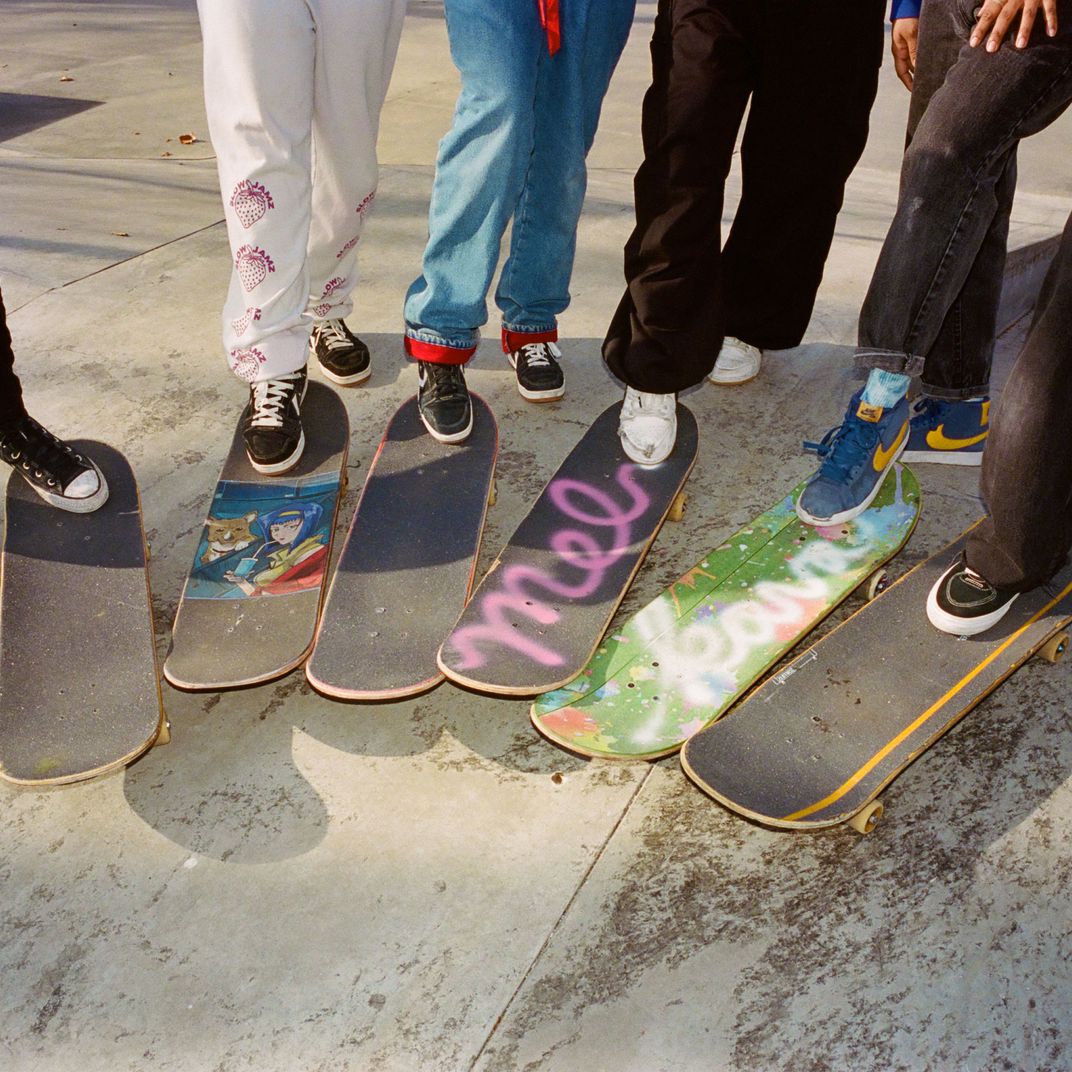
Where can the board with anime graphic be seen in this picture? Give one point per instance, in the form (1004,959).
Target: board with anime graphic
(252,599)
(696,649)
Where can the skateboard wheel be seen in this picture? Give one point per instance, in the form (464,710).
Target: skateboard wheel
(1053,651)
(677,507)
(163,735)
(493,493)
(863,822)
(877,583)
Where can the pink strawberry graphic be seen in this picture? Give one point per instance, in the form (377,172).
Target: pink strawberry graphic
(363,207)
(346,249)
(321,310)
(253,265)
(239,326)
(245,364)
(250,201)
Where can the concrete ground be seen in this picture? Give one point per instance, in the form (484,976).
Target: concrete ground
(295,884)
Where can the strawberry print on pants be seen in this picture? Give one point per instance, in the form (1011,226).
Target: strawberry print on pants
(287,80)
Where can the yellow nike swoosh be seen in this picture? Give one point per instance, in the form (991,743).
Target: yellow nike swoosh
(937,438)
(882,457)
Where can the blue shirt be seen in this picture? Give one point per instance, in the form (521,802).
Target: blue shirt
(904,9)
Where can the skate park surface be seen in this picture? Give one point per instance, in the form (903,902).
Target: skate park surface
(305,886)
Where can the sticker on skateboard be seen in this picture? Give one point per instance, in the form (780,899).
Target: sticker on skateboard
(538,615)
(817,743)
(694,650)
(79,683)
(406,568)
(251,602)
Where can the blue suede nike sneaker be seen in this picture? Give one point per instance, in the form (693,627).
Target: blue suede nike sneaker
(856,456)
(949,432)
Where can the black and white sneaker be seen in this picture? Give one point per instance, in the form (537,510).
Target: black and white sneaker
(341,355)
(539,375)
(271,423)
(443,401)
(60,475)
(963,603)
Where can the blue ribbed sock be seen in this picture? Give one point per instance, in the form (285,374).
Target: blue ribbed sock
(885,389)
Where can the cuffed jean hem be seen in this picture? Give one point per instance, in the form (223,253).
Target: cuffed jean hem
(513,338)
(888,361)
(427,347)
(953,394)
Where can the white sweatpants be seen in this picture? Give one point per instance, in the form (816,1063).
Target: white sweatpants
(293,91)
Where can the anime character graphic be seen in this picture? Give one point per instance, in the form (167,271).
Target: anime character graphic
(292,558)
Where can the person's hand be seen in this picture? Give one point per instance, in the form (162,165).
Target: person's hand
(904,39)
(996,16)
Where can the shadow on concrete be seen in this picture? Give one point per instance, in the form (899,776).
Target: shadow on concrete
(21,113)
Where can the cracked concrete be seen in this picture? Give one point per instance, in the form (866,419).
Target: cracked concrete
(426,884)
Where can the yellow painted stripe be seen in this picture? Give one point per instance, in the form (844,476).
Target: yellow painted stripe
(879,756)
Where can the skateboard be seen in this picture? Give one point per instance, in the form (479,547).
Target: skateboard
(694,650)
(815,745)
(250,605)
(538,615)
(407,566)
(79,684)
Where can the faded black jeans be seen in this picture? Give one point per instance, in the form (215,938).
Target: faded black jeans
(932,303)
(11,407)
(1027,465)
(810,71)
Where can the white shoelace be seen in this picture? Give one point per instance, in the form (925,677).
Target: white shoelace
(270,398)
(539,354)
(331,331)
(647,404)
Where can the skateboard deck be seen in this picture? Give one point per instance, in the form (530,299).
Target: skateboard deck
(407,566)
(815,745)
(538,615)
(251,601)
(694,650)
(79,684)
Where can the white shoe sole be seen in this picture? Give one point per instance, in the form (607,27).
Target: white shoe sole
(938,457)
(853,512)
(454,437)
(276,468)
(731,379)
(950,623)
(345,381)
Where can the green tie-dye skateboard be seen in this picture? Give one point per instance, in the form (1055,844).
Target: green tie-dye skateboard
(692,652)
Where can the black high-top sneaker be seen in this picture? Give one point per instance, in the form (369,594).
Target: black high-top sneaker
(271,423)
(539,375)
(443,401)
(60,475)
(341,355)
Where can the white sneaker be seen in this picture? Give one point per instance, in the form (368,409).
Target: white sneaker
(738,362)
(648,426)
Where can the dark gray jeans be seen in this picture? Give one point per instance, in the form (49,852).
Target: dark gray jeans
(932,304)
(1027,466)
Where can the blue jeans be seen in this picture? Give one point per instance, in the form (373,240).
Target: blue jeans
(930,309)
(523,125)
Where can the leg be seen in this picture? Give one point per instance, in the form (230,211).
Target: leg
(669,325)
(815,115)
(497,49)
(570,86)
(1027,467)
(952,190)
(259,61)
(12,409)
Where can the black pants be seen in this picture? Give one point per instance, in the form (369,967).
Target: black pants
(1027,465)
(811,70)
(11,407)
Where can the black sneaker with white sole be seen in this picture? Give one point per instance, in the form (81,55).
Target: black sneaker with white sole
(443,401)
(54,469)
(964,603)
(341,355)
(539,375)
(271,423)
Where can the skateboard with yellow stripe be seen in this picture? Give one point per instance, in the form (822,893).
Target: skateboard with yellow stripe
(817,743)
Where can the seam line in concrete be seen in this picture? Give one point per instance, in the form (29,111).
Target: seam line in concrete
(561,917)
